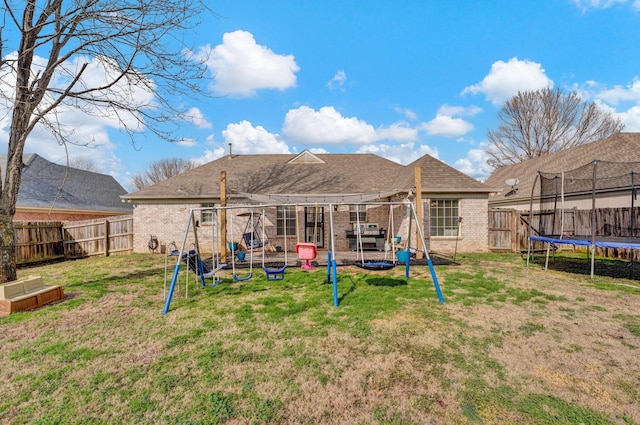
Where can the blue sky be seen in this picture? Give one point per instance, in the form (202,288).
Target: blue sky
(399,79)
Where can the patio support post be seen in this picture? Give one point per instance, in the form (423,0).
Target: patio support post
(419,212)
(223,217)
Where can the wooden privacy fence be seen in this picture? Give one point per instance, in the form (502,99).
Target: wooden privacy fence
(509,229)
(43,241)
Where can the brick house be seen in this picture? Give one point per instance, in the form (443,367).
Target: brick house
(52,192)
(454,204)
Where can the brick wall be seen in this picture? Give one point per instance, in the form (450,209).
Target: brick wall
(474,235)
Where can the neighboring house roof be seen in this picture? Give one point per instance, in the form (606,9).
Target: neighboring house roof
(622,147)
(308,174)
(48,185)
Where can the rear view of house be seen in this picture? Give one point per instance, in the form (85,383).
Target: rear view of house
(454,204)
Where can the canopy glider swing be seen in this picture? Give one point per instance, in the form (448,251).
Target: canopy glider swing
(278,273)
(369,265)
(250,233)
(307,250)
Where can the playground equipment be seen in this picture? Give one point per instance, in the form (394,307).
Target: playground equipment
(250,245)
(192,259)
(369,265)
(557,195)
(277,273)
(307,251)
(332,275)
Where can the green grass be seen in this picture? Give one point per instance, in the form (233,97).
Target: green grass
(261,352)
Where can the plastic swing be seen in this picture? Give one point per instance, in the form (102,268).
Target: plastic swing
(233,247)
(307,250)
(275,274)
(368,265)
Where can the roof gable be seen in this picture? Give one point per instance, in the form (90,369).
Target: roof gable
(306,157)
(439,177)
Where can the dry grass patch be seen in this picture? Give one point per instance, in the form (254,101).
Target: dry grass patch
(511,345)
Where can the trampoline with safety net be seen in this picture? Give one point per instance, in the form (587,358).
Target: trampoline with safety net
(592,206)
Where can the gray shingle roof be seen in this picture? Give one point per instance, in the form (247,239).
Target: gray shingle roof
(620,147)
(44,182)
(336,174)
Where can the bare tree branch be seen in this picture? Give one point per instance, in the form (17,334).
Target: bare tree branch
(120,59)
(162,170)
(535,123)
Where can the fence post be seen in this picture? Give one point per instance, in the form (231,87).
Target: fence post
(106,237)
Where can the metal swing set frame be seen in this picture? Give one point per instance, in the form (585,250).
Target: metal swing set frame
(332,274)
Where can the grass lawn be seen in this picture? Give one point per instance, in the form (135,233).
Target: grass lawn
(511,345)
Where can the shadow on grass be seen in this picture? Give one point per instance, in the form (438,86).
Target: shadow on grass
(602,267)
(385,281)
(349,291)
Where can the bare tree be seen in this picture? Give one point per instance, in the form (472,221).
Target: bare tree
(535,123)
(121,60)
(83,163)
(162,170)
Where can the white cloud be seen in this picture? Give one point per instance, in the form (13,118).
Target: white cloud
(475,164)
(241,67)
(463,111)
(247,139)
(408,113)
(326,127)
(338,81)
(187,142)
(318,150)
(604,4)
(197,118)
(402,153)
(505,79)
(446,126)
(631,119)
(620,93)
(210,155)
(400,132)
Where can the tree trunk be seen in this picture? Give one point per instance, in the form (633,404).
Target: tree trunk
(8,270)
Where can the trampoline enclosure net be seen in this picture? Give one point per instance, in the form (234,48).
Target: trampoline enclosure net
(596,178)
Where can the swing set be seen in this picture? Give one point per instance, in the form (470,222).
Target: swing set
(278,273)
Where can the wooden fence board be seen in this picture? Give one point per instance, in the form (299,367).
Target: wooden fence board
(42,241)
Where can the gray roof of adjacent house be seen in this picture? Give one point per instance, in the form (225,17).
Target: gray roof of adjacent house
(621,147)
(308,174)
(48,185)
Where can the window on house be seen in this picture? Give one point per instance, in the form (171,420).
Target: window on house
(355,210)
(444,217)
(286,216)
(206,216)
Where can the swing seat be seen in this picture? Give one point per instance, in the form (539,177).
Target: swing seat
(306,251)
(375,265)
(275,274)
(242,278)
